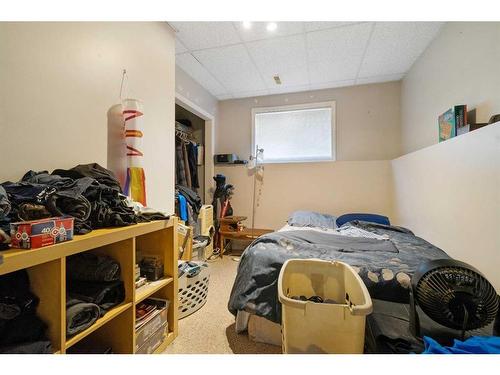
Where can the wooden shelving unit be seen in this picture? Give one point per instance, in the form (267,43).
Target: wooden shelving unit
(47,271)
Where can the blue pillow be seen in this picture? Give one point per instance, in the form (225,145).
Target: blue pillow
(372,218)
(311,219)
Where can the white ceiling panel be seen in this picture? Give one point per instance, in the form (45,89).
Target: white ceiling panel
(232,67)
(192,67)
(338,43)
(293,77)
(284,56)
(314,26)
(288,89)
(333,84)
(247,94)
(378,79)
(395,46)
(199,35)
(336,54)
(258,30)
(232,61)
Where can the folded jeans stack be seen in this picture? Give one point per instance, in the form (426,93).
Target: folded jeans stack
(21,330)
(94,286)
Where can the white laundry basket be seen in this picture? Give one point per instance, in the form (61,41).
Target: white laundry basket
(193,291)
(309,327)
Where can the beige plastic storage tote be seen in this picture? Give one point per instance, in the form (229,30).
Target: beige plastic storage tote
(309,327)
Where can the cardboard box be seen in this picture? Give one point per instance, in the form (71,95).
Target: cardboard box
(40,233)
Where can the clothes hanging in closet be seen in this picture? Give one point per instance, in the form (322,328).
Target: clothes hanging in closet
(186,161)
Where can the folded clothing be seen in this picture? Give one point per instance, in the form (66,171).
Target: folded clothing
(80,315)
(473,345)
(36,347)
(25,328)
(103,294)
(15,295)
(91,267)
(4,203)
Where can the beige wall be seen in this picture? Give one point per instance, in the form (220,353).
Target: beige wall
(449,194)
(186,86)
(329,187)
(461,66)
(367,121)
(58,81)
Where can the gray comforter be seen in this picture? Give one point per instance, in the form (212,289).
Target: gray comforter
(386,266)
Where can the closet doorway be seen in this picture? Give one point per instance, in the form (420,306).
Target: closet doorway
(200,126)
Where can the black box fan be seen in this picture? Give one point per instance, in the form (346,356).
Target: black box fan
(452,293)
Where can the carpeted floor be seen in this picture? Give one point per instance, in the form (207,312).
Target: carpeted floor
(210,330)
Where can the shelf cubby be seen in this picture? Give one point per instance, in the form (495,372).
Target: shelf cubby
(47,271)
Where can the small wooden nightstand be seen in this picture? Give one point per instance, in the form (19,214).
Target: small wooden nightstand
(246,234)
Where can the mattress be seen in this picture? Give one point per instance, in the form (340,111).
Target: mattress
(385,260)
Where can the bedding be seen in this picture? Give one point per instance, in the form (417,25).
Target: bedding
(385,264)
(311,219)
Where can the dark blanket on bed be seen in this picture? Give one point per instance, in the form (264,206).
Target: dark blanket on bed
(386,266)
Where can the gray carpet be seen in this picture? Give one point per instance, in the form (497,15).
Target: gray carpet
(210,330)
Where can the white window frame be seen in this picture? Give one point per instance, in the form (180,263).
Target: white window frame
(294,107)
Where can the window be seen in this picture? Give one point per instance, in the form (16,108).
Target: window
(303,133)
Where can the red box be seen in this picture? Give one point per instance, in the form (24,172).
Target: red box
(40,233)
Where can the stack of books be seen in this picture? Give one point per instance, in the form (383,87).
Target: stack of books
(145,312)
(453,122)
(139,281)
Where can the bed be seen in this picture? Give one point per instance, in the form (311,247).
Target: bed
(385,257)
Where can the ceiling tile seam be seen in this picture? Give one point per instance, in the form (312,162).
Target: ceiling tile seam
(336,27)
(364,52)
(250,57)
(307,61)
(271,38)
(211,74)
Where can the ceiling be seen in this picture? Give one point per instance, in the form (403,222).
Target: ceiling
(232,61)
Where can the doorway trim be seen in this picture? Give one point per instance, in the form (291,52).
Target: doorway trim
(209,140)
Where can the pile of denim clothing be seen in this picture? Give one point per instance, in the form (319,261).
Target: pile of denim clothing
(88,192)
(94,286)
(21,330)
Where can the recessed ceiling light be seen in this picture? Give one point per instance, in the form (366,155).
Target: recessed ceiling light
(247,24)
(271,26)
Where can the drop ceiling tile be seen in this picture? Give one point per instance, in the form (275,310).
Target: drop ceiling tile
(232,67)
(285,56)
(336,54)
(330,85)
(192,67)
(248,94)
(179,47)
(379,79)
(224,96)
(198,35)
(258,30)
(289,89)
(319,25)
(293,77)
(395,46)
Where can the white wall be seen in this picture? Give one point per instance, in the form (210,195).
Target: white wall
(461,66)
(58,81)
(449,194)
